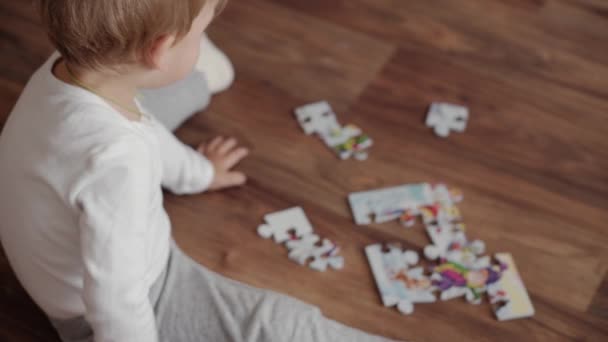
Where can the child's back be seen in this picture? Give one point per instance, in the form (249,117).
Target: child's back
(51,150)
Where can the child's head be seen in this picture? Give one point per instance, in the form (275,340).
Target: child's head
(161,36)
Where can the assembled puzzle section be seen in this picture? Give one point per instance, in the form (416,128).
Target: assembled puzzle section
(292,228)
(399,283)
(459,267)
(346,141)
(444,118)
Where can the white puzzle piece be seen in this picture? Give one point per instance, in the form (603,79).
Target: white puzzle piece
(291,226)
(306,248)
(446,117)
(509,296)
(281,224)
(469,254)
(444,236)
(317,118)
(443,209)
(449,242)
(398,284)
(446,196)
(389,202)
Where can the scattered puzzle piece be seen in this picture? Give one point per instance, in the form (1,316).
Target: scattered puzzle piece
(291,227)
(279,225)
(306,248)
(317,118)
(445,117)
(509,296)
(347,141)
(398,284)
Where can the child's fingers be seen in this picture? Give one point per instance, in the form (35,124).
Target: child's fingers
(234,157)
(226,146)
(215,143)
(231,179)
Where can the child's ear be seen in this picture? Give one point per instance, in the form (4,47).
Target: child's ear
(157,55)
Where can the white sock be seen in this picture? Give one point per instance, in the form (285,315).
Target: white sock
(216,66)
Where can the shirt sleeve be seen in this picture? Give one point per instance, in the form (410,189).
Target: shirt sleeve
(185,171)
(114,205)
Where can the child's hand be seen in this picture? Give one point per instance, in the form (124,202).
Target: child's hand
(224,154)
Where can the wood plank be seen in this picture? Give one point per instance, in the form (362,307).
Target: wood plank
(21,319)
(293,169)
(599,305)
(562,41)
(23,39)
(306,57)
(9,93)
(526,181)
(531,164)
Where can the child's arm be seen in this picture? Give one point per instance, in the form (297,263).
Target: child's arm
(114,221)
(186,171)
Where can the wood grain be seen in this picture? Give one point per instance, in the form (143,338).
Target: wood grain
(532,163)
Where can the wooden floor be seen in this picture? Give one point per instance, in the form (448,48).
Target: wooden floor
(533,163)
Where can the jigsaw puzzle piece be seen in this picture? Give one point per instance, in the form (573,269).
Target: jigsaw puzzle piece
(317,118)
(509,296)
(330,259)
(341,135)
(350,141)
(444,236)
(468,254)
(445,117)
(307,248)
(368,205)
(398,284)
(408,218)
(443,208)
(284,224)
(455,280)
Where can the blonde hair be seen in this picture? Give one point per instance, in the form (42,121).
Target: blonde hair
(95,33)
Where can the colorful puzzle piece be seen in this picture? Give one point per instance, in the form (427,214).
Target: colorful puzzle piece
(509,296)
(398,284)
(389,203)
(348,141)
(455,280)
(345,141)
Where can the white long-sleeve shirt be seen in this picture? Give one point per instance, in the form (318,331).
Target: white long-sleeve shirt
(81,208)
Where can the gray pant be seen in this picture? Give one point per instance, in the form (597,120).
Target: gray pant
(175,104)
(193,304)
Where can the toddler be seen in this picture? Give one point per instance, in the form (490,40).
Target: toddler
(83,159)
